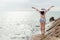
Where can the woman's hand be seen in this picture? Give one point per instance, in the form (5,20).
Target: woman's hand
(52,6)
(49,8)
(33,7)
(36,9)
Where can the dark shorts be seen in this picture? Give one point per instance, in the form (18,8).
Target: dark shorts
(42,20)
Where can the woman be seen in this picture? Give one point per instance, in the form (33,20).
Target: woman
(43,19)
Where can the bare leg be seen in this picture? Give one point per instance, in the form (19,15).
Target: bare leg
(42,24)
(42,28)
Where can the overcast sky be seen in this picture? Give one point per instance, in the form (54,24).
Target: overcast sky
(27,4)
(22,9)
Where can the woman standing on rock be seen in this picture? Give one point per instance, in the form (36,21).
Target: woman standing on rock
(42,12)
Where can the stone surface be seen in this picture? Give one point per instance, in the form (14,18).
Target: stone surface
(53,32)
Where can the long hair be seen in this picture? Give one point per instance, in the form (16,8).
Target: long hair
(42,11)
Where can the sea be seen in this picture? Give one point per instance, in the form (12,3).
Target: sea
(21,25)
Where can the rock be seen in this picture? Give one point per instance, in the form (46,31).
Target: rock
(47,37)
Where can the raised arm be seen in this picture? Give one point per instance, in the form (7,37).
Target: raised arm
(49,8)
(35,9)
